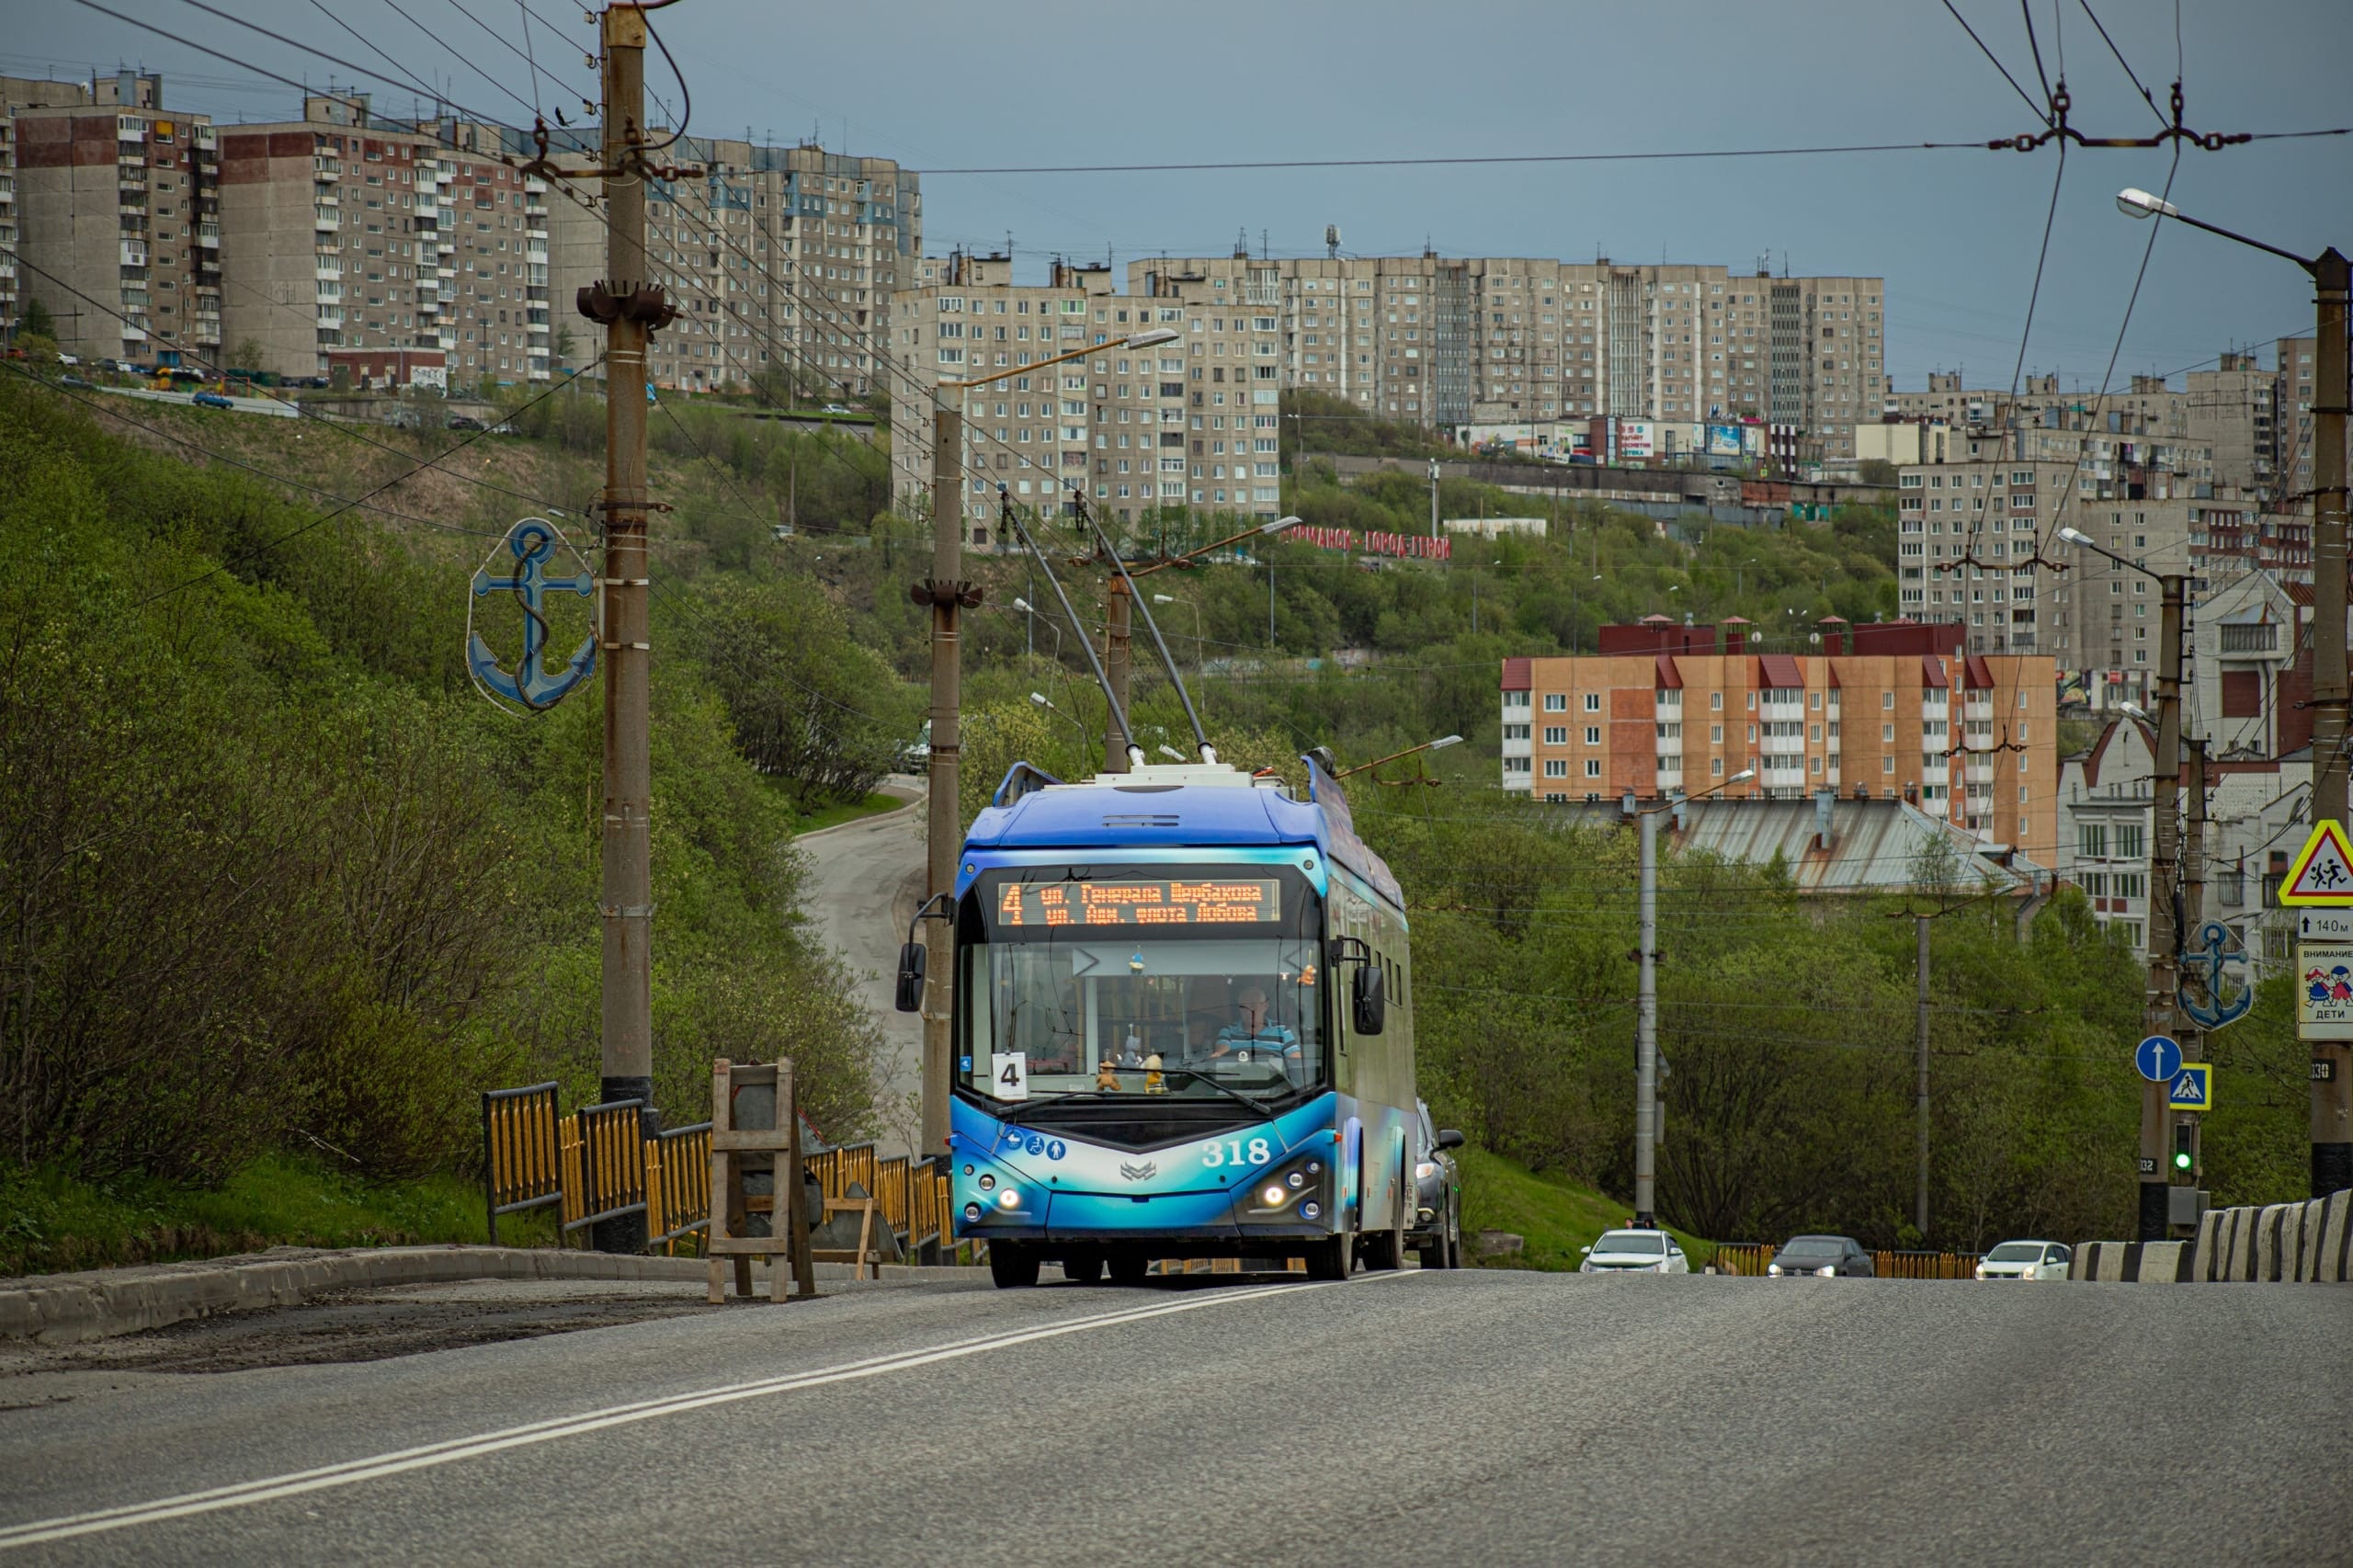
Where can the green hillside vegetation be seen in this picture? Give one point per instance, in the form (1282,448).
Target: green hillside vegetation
(1555,1217)
(279,881)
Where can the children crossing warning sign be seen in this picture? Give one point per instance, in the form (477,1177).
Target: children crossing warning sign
(2323,869)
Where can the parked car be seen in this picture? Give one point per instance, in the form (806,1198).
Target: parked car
(70,379)
(211,400)
(68,359)
(463,422)
(840,408)
(1437,1229)
(1635,1252)
(2024,1261)
(915,756)
(1828,1257)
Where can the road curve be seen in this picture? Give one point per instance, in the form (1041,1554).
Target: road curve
(855,873)
(1416,1418)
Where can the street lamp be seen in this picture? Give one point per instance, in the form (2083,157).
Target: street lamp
(947,595)
(1026,608)
(2164,873)
(2332,276)
(1646,1010)
(1439,745)
(1200,646)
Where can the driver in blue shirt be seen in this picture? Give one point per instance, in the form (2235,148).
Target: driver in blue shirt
(1253,1034)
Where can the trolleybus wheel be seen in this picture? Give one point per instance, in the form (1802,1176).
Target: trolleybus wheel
(1330,1258)
(1012,1266)
(1083,1267)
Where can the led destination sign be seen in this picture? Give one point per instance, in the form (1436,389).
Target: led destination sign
(1139,903)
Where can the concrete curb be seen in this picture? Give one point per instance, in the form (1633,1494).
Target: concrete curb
(65,1309)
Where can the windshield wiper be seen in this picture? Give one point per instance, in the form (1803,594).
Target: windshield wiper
(1236,1095)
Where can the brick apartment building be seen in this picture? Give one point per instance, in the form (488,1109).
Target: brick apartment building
(1897,712)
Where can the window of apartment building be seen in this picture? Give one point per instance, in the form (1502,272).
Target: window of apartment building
(1555,768)
(1511,698)
(1556,702)
(1593,702)
(1593,768)
(1593,734)
(1556,735)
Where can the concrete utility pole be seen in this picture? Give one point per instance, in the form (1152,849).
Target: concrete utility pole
(947,595)
(628,903)
(2164,873)
(1646,1034)
(1920,1192)
(1646,1117)
(1119,606)
(1433,498)
(2332,1090)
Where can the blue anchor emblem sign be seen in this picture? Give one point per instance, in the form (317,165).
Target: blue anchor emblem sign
(2205,970)
(530,543)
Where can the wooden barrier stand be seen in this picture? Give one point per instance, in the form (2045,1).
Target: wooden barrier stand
(755,1130)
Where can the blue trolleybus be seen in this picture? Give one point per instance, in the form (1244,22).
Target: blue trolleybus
(1183,1028)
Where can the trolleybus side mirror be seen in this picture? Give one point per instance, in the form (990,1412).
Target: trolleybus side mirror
(1369,998)
(912,959)
(1448,1138)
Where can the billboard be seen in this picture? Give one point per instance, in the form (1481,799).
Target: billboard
(434,376)
(1724,440)
(1636,439)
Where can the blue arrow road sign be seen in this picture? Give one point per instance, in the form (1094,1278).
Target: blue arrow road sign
(2158,1058)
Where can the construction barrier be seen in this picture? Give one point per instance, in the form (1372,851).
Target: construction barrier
(2287,1243)
(1756,1258)
(678,1185)
(522,1166)
(596,1164)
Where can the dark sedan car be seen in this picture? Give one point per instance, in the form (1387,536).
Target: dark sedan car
(211,400)
(1826,1257)
(1437,1229)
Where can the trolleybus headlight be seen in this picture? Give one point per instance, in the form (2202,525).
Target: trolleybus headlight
(1008,1198)
(987,1182)
(1273,1196)
(1311,1209)
(971,1212)
(1296,1180)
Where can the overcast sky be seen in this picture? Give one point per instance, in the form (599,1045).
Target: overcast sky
(937,84)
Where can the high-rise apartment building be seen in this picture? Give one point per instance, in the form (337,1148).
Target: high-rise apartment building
(782,262)
(117,221)
(2233,409)
(1896,711)
(21,93)
(1195,422)
(1449,341)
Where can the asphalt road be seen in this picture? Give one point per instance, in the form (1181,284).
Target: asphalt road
(276,407)
(855,874)
(1416,1418)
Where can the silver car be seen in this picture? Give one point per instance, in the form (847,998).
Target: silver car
(2024,1261)
(1635,1252)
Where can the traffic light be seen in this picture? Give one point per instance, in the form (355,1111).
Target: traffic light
(2185,1153)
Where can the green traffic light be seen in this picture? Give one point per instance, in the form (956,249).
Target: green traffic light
(2181,1160)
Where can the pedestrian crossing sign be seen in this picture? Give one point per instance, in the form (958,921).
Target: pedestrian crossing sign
(2192,1087)
(2323,871)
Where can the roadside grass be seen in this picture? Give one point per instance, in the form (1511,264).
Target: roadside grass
(845,811)
(51,1223)
(1556,1217)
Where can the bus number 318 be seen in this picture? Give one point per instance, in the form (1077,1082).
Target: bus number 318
(1231,1152)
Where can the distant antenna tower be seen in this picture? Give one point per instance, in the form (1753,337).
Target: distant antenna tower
(1332,241)
(1262,244)
(1241,244)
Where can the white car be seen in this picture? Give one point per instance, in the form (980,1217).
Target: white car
(1638,1252)
(2024,1261)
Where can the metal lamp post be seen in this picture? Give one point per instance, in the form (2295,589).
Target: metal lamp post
(949,595)
(2332,276)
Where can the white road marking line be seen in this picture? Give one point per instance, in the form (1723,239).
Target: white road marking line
(297,1483)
